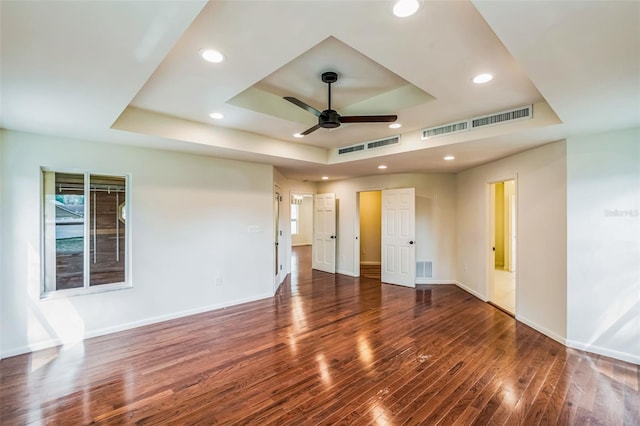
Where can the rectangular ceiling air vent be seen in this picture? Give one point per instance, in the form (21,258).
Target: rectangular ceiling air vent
(369,145)
(383,142)
(352,148)
(501,117)
(446,129)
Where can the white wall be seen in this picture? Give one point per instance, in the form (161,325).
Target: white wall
(1,236)
(193,219)
(435,218)
(541,269)
(603,277)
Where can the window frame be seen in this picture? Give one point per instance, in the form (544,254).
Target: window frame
(46,293)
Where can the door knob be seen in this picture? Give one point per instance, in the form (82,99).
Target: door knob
(410,242)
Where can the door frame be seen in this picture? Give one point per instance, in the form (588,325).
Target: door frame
(303,193)
(278,237)
(490,216)
(356,230)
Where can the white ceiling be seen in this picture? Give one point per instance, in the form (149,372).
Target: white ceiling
(129,72)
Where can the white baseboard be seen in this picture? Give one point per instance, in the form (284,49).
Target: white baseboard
(370,262)
(555,336)
(50,343)
(624,356)
(300,244)
(432,281)
(348,273)
(469,290)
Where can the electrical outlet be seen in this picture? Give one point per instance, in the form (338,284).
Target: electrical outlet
(218,281)
(364,251)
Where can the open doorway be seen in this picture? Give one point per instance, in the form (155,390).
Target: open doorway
(502,258)
(301,227)
(370,214)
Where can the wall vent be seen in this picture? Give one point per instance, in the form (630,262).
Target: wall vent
(501,117)
(424,269)
(348,149)
(383,142)
(446,129)
(520,113)
(379,143)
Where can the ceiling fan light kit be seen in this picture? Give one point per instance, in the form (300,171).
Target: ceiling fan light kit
(329,118)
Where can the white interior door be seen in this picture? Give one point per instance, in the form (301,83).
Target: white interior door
(324,233)
(398,236)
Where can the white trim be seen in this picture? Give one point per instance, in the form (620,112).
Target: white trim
(432,281)
(490,255)
(555,336)
(471,291)
(348,273)
(134,324)
(87,288)
(356,229)
(624,356)
(280,285)
(300,244)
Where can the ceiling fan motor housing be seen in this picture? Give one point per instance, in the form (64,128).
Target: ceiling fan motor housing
(329,77)
(329,119)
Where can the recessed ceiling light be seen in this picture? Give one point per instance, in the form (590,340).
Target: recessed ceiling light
(404,8)
(449,158)
(212,56)
(395,125)
(298,135)
(216,116)
(325,177)
(382,166)
(482,78)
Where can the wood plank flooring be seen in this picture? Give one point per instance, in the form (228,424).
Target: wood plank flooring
(370,271)
(327,349)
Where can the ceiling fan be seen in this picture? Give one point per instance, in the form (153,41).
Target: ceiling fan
(329,118)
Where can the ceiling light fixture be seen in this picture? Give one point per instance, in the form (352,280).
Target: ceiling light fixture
(211,55)
(298,135)
(404,8)
(216,116)
(395,125)
(449,158)
(382,166)
(482,78)
(325,177)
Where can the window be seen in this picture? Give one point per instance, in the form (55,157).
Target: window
(294,219)
(85,232)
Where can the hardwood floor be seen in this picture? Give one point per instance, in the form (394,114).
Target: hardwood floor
(327,349)
(370,271)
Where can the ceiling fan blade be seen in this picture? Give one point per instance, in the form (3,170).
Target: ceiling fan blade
(368,118)
(312,129)
(302,105)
